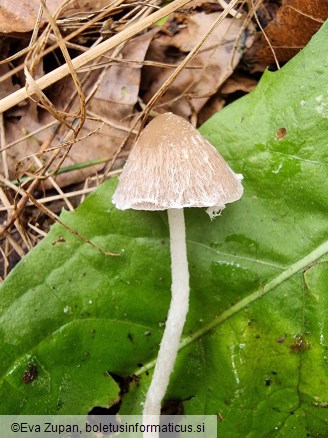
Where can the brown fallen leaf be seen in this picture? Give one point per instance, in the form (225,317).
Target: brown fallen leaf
(294,24)
(7,87)
(20,15)
(211,67)
(87,5)
(214,105)
(113,104)
(235,83)
(238,82)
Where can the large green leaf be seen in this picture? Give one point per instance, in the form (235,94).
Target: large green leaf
(255,343)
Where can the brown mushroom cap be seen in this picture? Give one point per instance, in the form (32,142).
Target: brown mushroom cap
(173,166)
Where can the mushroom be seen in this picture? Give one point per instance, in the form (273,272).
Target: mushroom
(172,167)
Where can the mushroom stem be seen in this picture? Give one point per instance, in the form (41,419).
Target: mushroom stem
(176,316)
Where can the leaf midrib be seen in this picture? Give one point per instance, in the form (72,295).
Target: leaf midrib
(236,256)
(291,270)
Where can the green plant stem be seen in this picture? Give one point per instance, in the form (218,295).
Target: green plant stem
(66,169)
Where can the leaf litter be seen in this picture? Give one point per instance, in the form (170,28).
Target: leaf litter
(34,144)
(212,65)
(242,407)
(57,154)
(287,27)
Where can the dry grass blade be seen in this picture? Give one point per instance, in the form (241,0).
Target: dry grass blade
(254,11)
(81,60)
(32,60)
(189,57)
(68,141)
(70,229)
(79,105)
(54,46)
(62,71)
(148,108)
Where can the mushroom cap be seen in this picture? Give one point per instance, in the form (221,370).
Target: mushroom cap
(172,166)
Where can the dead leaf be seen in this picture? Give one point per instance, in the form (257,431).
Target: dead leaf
(122,81)
(7,87)
(212,66)
(113,102)
(291,29)
(214,105)
(20,15)
(90,5)
(238,82)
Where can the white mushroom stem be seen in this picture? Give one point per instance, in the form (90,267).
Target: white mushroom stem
(176,317)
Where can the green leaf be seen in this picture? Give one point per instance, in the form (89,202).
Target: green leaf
(255,344)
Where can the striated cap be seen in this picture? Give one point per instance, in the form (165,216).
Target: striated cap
(173,166)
